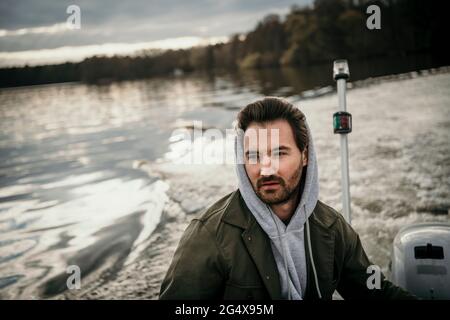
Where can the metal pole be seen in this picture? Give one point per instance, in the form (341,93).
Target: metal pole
(341,87)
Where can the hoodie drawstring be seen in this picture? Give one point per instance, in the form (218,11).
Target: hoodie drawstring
(312,260)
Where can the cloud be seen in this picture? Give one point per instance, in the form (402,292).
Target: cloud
(57,27)
(27,25)
(76,54)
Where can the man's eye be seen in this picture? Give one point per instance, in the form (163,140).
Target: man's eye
(279,154)
(253,157)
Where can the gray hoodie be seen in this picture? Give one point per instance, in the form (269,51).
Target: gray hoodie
(288,242)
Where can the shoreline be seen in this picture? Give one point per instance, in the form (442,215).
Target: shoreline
(327,90)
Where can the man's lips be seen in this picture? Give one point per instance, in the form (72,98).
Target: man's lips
(269,185)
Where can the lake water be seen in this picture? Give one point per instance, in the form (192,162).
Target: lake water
(71,186)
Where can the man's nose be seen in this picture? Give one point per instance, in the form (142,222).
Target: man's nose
(268,166)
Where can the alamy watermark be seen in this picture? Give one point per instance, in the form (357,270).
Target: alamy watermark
(374,280)
(74,280)
(74,19)
(214,146)
(374,20)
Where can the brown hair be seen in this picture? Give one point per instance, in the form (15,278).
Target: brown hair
(271,109)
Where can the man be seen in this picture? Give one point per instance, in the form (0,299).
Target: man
(272,238)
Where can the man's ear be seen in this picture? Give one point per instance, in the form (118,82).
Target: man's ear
(305,156)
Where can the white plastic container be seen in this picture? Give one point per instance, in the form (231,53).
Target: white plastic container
(421,260)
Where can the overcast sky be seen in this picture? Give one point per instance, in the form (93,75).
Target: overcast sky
(35,32)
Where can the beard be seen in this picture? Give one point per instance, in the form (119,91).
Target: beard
(286,191)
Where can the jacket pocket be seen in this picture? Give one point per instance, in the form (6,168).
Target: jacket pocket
(241,292)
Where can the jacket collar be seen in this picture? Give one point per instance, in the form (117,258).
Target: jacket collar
(237,213)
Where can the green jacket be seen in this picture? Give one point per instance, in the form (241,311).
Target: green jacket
(225,254)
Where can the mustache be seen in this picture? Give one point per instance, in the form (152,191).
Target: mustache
(271,178)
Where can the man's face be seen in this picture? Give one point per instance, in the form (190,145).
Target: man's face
(273,167)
